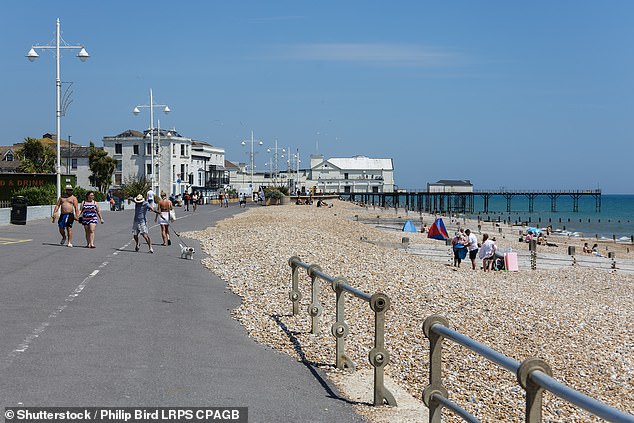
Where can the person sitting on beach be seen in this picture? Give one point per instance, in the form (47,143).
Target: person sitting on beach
(541,239)
(528,237)
(595,250)
(487,252)
(586,248)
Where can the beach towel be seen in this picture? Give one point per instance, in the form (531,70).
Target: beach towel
(438,231)
(409,227)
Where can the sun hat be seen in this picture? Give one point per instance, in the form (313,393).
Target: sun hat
(139,198)
(68,186)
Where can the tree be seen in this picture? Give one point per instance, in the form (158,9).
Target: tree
(135,185)
(102,167)
(36,157)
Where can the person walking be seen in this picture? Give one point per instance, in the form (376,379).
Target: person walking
(139,224)
(163,218)
(195,200)
(487,252)
(68,207)
(472,246)
(150,197)
(459,248)
(90,215)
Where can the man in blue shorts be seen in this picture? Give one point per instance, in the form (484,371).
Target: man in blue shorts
(69,209)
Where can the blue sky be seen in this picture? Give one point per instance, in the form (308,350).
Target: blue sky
(523,95)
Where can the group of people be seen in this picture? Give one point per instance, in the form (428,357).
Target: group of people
(465,242)
(89,215)
(594,250)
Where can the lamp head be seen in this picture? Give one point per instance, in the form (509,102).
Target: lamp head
(166,110)
(32,55)
(136,111)
(243,143)
(83,55)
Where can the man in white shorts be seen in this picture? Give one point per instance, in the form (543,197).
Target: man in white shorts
(139,225)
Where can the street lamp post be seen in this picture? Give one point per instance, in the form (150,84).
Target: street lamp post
(82,55)
(275,169)
(166,110)
(251,157)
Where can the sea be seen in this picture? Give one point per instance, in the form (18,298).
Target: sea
(614,221)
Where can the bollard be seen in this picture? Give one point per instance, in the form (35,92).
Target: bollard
(612,255)
(532,246)
(571,250)
(405,240)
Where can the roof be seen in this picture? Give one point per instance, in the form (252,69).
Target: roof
(361,162)
(230,165)
(454,182)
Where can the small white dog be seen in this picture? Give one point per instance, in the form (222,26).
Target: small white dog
(187,252)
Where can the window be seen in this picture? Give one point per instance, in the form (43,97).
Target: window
(173,149)
(183,151)
(9,156)
(148,149)
(119,165)
(117,179)
(118,149)
(135,149)
(73,164)
(182,171)
(148,169)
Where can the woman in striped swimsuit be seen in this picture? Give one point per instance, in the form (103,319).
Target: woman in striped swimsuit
(91,215)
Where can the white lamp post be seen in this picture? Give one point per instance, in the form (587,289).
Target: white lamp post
(82,55)
(275,169)
(166,110)
(251,156)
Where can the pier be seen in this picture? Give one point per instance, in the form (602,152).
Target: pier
(464,202)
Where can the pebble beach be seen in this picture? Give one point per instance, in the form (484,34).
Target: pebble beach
(580,320)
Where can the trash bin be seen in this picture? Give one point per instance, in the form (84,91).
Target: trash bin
(18,210)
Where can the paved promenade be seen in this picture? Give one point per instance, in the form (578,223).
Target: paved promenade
(112,327)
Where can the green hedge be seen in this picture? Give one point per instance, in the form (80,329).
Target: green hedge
(39,196)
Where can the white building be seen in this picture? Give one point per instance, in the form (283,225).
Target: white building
(450,186)
(208,173)
(174,172)
(358,174)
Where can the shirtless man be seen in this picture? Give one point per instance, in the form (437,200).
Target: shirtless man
(69,209)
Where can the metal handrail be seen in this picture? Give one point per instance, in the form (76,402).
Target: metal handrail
(379,303)
(533,374)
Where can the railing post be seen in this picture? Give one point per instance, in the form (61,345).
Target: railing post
(533,391)
(435,368)
(339,329)
(314,308)
(379,357)
(294,295)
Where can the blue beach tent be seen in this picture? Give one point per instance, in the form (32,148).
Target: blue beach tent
(409,227)
(438,231)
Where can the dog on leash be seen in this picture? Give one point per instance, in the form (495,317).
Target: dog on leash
(187,252)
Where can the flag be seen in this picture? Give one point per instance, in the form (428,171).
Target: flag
(262,197)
